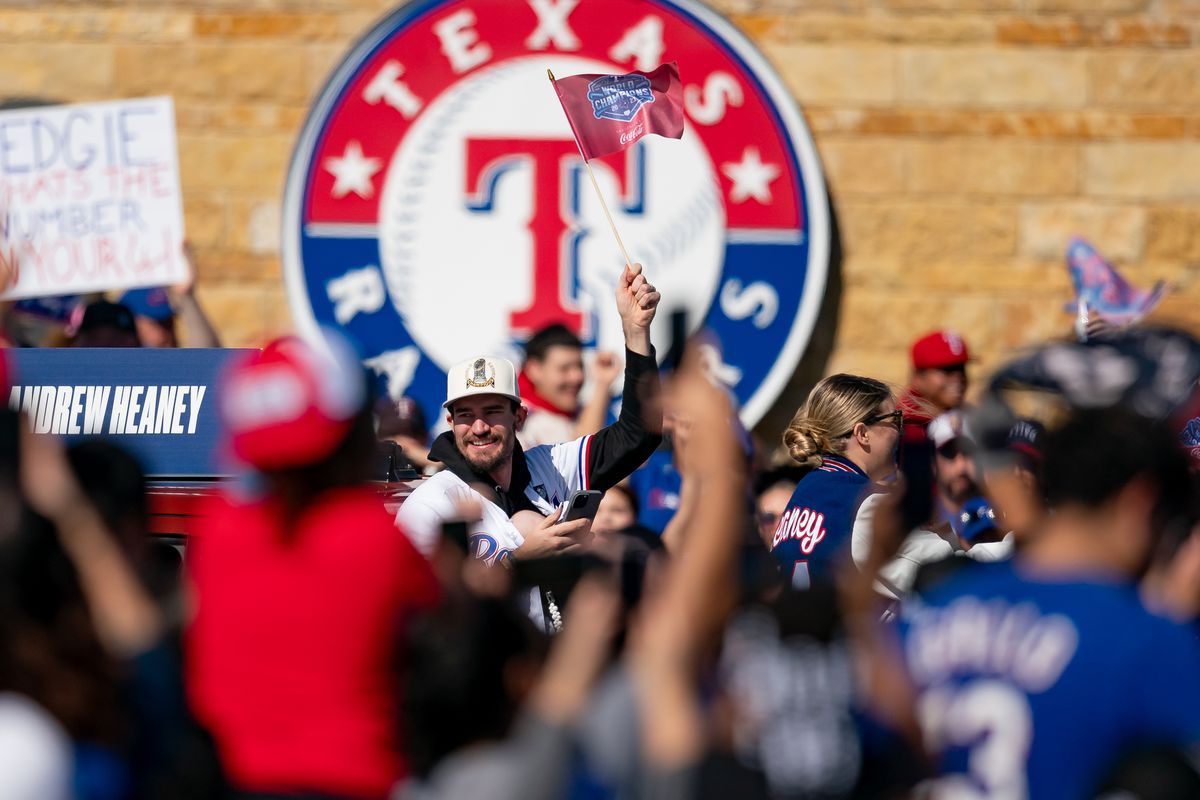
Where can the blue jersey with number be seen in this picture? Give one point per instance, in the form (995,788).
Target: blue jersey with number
(1032,687)
(814,532)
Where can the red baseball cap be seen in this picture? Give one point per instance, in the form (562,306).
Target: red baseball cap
(291,404)
(939,349)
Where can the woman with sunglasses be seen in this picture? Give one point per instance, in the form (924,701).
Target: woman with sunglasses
(846,432)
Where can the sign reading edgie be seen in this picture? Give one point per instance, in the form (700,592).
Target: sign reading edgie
(434,208)
(89,197)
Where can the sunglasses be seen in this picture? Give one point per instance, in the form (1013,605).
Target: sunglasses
(952,450)
(895,418)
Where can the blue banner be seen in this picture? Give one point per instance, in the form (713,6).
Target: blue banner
(160,405)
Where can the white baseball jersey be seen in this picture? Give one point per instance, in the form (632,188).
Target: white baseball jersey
(555,472)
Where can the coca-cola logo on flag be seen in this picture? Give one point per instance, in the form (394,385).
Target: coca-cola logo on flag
(437,207)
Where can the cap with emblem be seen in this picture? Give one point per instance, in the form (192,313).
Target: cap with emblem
(947,427)
(289,404)
(481,375)
(939,350)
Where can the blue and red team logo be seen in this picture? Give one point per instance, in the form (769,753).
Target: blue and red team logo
(437,206)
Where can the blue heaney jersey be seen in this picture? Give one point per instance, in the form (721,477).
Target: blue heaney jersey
(1033,688)
(814,532)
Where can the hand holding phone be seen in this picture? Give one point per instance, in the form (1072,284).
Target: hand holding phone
(552,537)
(580,505)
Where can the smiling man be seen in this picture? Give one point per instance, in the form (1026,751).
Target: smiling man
(485,463)
(551,381)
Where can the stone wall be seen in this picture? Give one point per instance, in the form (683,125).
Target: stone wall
(964,142)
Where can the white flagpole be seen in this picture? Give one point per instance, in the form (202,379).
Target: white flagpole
(596,186)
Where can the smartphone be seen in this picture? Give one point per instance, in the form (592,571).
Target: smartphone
(581,505)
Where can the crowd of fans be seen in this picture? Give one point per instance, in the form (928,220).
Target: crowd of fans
(906,595)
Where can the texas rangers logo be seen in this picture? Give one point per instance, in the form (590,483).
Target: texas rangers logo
(437,206)
(618,97)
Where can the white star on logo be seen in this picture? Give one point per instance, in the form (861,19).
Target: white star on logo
(751,177)
(352,172)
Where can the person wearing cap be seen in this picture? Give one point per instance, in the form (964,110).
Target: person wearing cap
(1026,651)
(484,411)
(302,593)
(953,470)
(40,321)
(937,384)
(939,377)
(954,485)
(967,522)
(402,423)
(1015,489)
(156,310)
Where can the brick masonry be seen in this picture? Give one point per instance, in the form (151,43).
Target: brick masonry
(964,142)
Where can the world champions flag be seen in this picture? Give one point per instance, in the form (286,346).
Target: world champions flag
(611,112)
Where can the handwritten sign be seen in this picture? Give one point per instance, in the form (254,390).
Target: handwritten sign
(161,404)
(89,198)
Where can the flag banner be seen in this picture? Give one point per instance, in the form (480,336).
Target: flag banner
(1099,288)
(611,112)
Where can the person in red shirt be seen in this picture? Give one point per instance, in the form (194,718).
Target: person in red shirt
(938,384)
(302,593)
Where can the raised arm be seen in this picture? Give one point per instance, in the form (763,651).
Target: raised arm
(197,329)
(698,592)
(616,451)
(126,619)
(595,410)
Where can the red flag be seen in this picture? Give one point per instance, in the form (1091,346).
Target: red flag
(610,112)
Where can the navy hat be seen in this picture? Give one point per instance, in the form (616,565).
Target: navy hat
(103,314)
(1023,438)
(57,309)
(975,519)
(150,302)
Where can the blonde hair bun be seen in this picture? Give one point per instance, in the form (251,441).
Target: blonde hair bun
(832,409)
(806,445)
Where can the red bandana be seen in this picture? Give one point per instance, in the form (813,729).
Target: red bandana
(533,400)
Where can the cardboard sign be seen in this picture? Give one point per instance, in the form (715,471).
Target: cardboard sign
(89,198)
(161,405)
